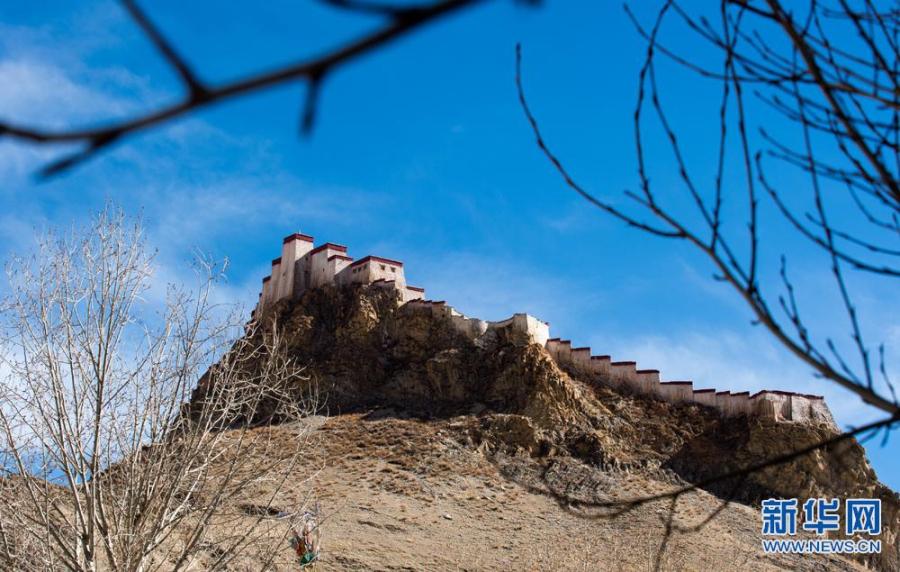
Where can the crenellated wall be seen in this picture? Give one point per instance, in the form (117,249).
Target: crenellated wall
(777,405)
(302,266)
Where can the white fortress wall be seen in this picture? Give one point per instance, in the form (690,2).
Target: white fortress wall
(740,403)
(626,373)
(553,348)
(413,293)
(679,391)
(378,268)
(266,290)
(600,365)
(337,265)
(772,405)
(705,397)
(357,273)
(667,392)
(723,402)
(581,359)
(293,248)
(648,380)
(275,285)
(537,330)
(320,271)
(301,266)
(565,352)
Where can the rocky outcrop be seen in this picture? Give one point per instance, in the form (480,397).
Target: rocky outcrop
(367,350)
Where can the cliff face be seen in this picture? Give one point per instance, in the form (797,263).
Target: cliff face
(368,352)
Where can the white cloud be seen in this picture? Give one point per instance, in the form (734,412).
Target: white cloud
(41,91)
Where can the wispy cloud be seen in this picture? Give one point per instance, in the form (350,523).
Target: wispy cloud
(484,286)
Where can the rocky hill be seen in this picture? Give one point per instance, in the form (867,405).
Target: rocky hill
(438,452)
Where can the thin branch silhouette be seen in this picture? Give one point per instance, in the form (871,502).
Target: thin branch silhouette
(870,187)
(400,21)
(831,72)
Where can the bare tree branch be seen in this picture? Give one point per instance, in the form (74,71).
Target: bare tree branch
(401,21)
(787,75)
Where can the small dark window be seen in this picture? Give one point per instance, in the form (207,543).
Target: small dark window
(382,267)
(393,269)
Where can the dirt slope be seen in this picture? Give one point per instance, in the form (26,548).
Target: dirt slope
(409,494)
(440,453)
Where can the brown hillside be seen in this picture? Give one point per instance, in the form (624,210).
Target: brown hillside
(440,453)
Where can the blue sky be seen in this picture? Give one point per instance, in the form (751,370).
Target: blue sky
(421,153)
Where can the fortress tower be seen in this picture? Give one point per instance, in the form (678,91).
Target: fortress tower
(302,266)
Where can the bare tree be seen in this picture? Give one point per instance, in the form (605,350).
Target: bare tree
(832,72)
(104,465)
(829,70)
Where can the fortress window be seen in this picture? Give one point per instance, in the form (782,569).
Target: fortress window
(382,267)
(393,269)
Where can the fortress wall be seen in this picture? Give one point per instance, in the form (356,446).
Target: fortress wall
(772,405)
(293,248)
(301,275)
(553,348)
(565,352)
(600,365)
(321,272)
(264,298)
(337,266)
(472,328)
(357,274)
(581,359)
(705,397)
(275,283)
(625,373)
(740,403)
(819,411)
(678,391)
(301,266)
(648,380)
(667,392)
(789,406)
(420,306)
(537,331)
(412,293)
(372,268)
(318,260)
(723,402)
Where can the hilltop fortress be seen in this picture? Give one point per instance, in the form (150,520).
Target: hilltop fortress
(303,266)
